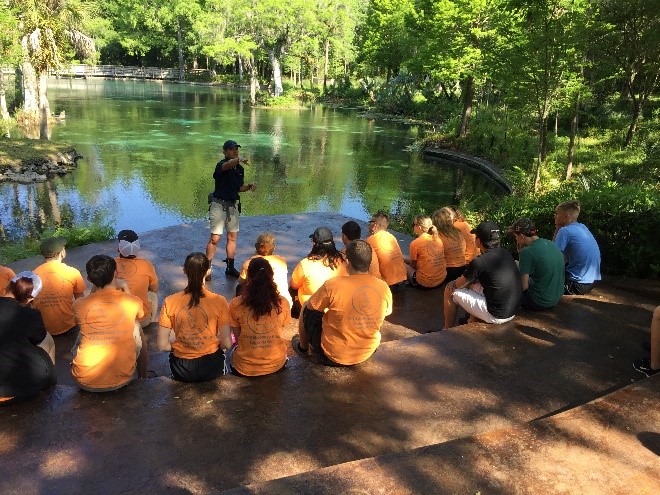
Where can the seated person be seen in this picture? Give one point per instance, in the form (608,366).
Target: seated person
(541,267)
(139,274)
(581,251)
(61,285)
(471,250)
(428,268)
(111,345)
(322,263)
(453,242)
(490,288)
(27,351)
(351,231)
(650,366)
(199,322)
(387,250)
(265,246)
(257,318)
(342,320)
(6,274)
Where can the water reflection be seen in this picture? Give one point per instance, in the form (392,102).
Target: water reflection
(150,149)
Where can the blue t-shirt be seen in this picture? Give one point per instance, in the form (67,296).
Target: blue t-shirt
(581,253)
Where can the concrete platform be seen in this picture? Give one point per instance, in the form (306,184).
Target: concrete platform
(474,384)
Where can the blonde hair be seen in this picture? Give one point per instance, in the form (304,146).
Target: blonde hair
(571,208)
(443,219)
(426,224)
(265,244)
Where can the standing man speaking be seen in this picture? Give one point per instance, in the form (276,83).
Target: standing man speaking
(225,207)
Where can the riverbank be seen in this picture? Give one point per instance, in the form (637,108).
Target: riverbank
(26,161)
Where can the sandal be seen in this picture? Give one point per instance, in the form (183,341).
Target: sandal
(295,343)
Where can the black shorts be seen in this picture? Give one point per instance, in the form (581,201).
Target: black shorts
(453,272)
(573,288)
(200,369)
(26,370)
(313,324)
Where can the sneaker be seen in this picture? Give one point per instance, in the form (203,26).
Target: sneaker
(644,366)
(295,343)
(232,272)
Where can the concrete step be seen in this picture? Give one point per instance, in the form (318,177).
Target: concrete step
(610,445)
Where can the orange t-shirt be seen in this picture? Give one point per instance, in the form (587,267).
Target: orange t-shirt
(429,255)
(197,328)
(139,275)
(454,250)
(390,259)
(356,307)
(471,249)
(374,270)
(309,275)
(280,274)
(55,301)
(261,349)
(6,274)
(106,356)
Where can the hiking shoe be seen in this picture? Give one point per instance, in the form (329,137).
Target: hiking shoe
(644,366)
(232,272)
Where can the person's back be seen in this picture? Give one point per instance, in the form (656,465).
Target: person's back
(323,262)
(544,264)
(265,246)
(386,248)
(581,251)
(110,340)
(471,250)
(428,267)
(257,319)
(499,276)
(139,274)
(26,349)
(61,284)
(357,306)
(6,274)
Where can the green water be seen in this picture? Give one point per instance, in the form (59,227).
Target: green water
(150,149)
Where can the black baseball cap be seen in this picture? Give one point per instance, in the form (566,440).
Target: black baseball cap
(487,231)
(322,234)
(230,145)
(127,235)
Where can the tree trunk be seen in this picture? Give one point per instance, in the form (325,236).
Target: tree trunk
(277,72)
(179,42)
(254,81)
(30,99)
(4,113)
(44,106)
(637,110)
(325,65)
(571,142)
(543,151)
(301,73)
(468,96)
(556,122)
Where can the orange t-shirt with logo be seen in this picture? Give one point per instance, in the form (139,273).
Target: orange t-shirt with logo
(280,274)
(55,301)
(471,249)
(454,250)
(309,275)
(429,254)
(356,307)
(139,275)
(390,259)
(6,274)
(197,328)
(106,355)
(374,270)
(261,350)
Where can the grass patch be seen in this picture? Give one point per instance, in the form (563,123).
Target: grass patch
(16,152)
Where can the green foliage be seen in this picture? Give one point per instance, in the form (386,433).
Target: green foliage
(76,236)
(292,98)
(203,76)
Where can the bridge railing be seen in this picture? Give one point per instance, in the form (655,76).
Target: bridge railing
(117,71)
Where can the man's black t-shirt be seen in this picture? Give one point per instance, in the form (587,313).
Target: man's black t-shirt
(498,274)
(229,182)
(25,369)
